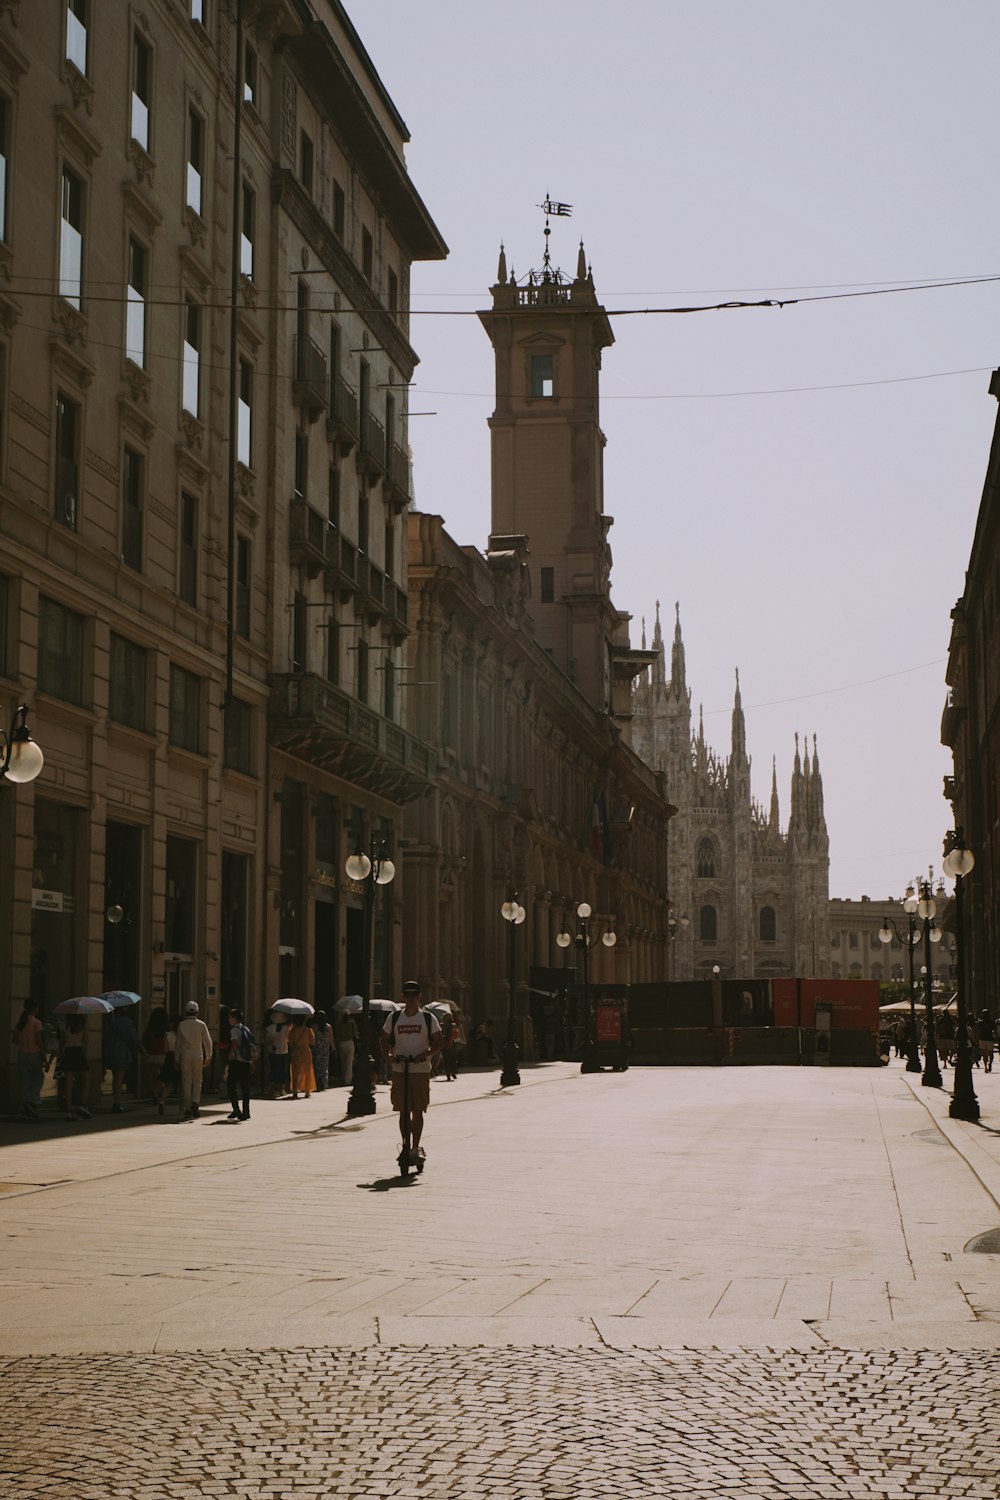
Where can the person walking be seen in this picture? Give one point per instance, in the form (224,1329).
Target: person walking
(415,1035)
(321,1050)
(28,1037)
(154,1045)
(277,1054)
(987,1039)
(242,1046)
(193,1053)
(345,1032)
(300,1061)
(75,1068)
(120,1043)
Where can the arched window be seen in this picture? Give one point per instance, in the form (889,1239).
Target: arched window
(768,924)
(705,858)
(707,924)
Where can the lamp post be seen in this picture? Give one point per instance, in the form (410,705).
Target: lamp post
(675,925)
(581,939)
(885,934)
(959,862)
(513,914)
(926,909)
(367,870)
(20,758)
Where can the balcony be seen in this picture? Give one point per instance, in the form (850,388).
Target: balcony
(309,383)
(397,480)
(341,563)
(953,717)
(342,421)
(372,584)
(371,455)
(398,606)
(307,536)
(325,727)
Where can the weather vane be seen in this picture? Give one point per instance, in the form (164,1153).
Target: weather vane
(551,208)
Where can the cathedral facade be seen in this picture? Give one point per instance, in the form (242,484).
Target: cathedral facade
(746,897)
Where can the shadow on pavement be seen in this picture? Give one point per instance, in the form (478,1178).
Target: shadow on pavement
(383,1184)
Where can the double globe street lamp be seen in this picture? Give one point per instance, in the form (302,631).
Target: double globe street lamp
(367,870)
(959,862)
(581,939)
(21,760)
(513,914)
(886,932)
(926,909)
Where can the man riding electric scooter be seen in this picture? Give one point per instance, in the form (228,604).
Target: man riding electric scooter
(410,1039)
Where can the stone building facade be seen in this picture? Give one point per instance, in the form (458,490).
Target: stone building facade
(856,951)
(202,534)
(746,895)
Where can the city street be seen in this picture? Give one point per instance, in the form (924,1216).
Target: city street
(754,1282)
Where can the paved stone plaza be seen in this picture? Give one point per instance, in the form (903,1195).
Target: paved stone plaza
(747,1282)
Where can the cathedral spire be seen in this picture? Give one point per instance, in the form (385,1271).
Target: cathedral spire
(659,665)
(773,821)
(739,737)
(678,670)
(644,632)
(581,264)
(818,816)
(502,266)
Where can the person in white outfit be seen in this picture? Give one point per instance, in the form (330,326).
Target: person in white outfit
(193,1053)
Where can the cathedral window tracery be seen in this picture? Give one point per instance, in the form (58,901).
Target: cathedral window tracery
(705,859)
(708,924)
(768,925)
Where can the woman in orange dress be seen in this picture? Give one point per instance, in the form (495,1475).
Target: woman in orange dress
(300,1041)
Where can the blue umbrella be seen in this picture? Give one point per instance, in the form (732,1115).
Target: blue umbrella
(83,1005)
(120,999)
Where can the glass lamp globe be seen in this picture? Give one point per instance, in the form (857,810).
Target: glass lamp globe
(584,910)
(358,867)
(26,760)
(386,872)
(519,915)
(926,907)
(563,939)
(935,934)
(885,934)
(609,939)
(959,862)
(508,911)
(909,901)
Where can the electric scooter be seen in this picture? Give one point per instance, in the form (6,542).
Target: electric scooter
(408,1157)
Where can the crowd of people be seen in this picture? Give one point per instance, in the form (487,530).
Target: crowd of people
(174,1057)
(981,1033)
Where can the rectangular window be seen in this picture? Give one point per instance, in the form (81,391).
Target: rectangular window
(248,234)
(548,585)
(333,497)
(389,693)
(4,159)
(852,940)
(237,740)
(195,160)
(142,72)
(135,309)
(132,486)
(198,11)
(393,292)
(67,475)
(367,254)
(185,709)
(188,580)
(339,210)
(192,358)
(71,238)
(243,581)
(127,683)
(363,521)
(60,651)
(332,651)
(542,375)
(305,161)
(300,616)
(301,464)
(244,416)
(389,548)
(249,75)
(76,34)
(362,671)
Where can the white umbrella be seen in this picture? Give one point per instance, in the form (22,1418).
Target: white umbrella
(83,1005)
(292,1007)
(120,999)
(380,1007)
(348,1005)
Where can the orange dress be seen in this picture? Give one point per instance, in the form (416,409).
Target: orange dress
(300,1040)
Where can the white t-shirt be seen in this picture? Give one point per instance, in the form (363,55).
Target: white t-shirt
(411,1037)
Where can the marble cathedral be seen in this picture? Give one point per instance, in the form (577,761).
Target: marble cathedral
(745,895)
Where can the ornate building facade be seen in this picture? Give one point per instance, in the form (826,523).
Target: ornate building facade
(745,894)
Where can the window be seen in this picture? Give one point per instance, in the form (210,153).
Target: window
(705,859)
(127,683)
(852,940)
(249,75)
(237,741)
(875,943)
(243,578)
(707,924)
(67,469)
(132,485)
(301,464)
(389,693)
(548,585)
(196,160)
(367,254)
(835,940)
(5,143)
(248,235)
(332,651)
(333,497)
(60,651)
(198,11)
(393,292)
(339,210)
(362,671)
(190,396)
(188,538)
(142,72)
(244,416)
(768,925)
(71,238)
(300,615)
(390,422)
(389,547)
(305,161)
(135,307)
(542,375)
(185,709)
(363,521)
(76,34)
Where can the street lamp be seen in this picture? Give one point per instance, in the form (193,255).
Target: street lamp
(367,870)
(675,925)
(513,914)
(885,934)
(20,758)
(581,940)
(926,909)
(959,862)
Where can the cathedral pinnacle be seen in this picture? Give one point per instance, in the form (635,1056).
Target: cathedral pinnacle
(678,671)
(502,266)
(774,819)
(739,737)
(581,264)
(659,666)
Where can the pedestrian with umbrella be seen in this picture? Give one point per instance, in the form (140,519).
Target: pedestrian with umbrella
(300,1042)
(120,1042)
(345,1034)
(73,1060)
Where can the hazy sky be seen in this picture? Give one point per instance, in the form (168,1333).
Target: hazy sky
(805,481)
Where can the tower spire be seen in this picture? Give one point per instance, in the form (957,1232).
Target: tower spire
(739,737)
(773,821)
(502,266)
(678,672)
(659,667)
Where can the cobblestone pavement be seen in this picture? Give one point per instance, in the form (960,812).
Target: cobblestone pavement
(523,1425)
